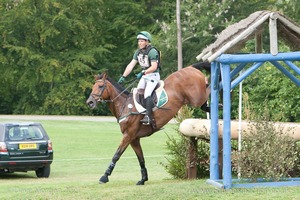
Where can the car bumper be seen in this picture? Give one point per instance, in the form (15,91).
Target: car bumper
(28,164)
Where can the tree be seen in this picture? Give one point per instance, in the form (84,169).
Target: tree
(50,50)
(50,66)
(269,89)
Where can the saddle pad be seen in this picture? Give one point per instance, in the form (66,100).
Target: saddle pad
(162,98)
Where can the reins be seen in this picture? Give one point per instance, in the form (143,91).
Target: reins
(129,86)
(112,100)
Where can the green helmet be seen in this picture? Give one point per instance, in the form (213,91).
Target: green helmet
(144,35)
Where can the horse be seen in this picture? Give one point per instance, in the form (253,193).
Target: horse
(185,86)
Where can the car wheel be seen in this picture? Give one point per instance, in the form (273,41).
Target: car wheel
(43,172)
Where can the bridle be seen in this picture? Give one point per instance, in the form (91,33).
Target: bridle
(100,99)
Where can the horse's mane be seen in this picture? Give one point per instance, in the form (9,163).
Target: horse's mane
(115,84)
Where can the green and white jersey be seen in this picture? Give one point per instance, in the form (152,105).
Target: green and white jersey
(145,58)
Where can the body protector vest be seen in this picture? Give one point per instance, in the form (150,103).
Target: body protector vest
(144,57)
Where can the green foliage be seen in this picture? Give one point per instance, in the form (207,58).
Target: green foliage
(178,151)
(203,154)
(177,154)
(269,87)
(178,148)
(55,58)
(201,22)
(50,50)
(267,152)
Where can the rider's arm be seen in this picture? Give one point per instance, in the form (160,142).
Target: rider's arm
(129,67)
(152,68)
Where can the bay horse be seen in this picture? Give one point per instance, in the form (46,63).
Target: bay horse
(185,86)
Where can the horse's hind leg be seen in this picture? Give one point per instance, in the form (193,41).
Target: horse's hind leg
(135,144)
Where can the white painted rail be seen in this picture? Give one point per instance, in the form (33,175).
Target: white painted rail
(201,128)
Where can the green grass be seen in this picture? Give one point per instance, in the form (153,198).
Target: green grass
(82,152)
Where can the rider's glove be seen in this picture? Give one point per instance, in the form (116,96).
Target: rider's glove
(121,80)
(139,75)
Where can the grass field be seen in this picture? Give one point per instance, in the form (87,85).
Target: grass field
(82,152)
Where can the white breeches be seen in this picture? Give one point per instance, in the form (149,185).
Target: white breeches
(148,82)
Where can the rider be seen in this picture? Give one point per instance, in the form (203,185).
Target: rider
(149,76)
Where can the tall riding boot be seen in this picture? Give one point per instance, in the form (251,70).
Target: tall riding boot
(148,116)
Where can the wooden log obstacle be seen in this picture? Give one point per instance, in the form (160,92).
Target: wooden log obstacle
(200,128)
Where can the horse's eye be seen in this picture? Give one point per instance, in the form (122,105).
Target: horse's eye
(100,86)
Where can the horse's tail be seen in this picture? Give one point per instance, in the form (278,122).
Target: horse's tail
(202,66)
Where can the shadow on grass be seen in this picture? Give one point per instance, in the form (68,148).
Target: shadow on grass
(16,175)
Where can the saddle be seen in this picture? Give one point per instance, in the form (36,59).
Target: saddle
(159,97)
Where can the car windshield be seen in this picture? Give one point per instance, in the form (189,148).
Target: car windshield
(15,133)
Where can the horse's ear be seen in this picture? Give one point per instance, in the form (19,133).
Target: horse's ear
(97,77)
(104,75)
(101,76)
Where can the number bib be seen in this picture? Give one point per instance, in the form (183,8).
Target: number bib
(143,60)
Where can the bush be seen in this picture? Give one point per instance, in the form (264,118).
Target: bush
(267,152)
(176,161)
(178,151)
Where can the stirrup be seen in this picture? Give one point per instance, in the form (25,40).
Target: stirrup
(146,120)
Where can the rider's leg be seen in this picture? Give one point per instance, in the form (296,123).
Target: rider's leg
(150,85)
(148,116)
(141,96)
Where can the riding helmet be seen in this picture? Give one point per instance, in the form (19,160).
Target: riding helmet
(144,35)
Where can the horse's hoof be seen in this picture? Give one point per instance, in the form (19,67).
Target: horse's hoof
(140,182)
(103,179)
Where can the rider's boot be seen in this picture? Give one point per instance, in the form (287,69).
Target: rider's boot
(148,116)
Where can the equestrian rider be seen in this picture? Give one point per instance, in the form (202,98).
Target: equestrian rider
(149,76)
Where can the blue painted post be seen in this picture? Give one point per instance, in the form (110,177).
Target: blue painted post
(236,70)
(241,77)
(248,58)
(214,146)
(292,66)
(247,73)
(286,72)
(227,179)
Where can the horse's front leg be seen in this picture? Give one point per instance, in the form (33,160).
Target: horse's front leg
(124,144)
(135,144)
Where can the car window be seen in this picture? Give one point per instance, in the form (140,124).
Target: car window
(24,133)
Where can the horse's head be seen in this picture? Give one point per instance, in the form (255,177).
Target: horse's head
(99,91)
